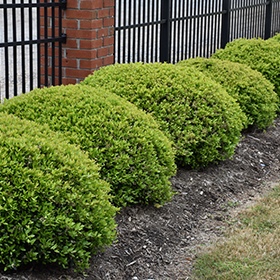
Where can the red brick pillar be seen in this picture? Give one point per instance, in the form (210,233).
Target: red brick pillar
(89,27)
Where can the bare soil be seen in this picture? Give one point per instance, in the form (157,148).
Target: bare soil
(161,243)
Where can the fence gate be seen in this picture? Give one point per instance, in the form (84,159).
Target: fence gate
(173,30)
(28,28)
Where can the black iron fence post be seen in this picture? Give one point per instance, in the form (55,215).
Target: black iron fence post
(225,23)
(165,39)
(268,16)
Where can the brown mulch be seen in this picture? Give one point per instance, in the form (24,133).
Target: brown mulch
(161,243)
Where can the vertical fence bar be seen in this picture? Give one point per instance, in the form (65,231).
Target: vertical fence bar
(46,44)
(30,46)
(244,31)
(143,31)
(263,20)
(204,22)
(38,47)
(148,32)
(173,29)
(255,14)
(14,47)
(124,38)
(183,31)
(245,10)
(178,14)
(236,14)
(134,33)
(199,29)
(232,20)
(258,28)
(129,30)
(158,15)
(176,29)
(165,31)
(277,20)
(249,19)
(187,33)
(257,34)
(139,30)
(215,24)
(261,31)
(60,46)
(153,32)
(194,29)
(210,22)
(239,21)
(53,46)
(191,27)
(278,16)
(119,32)
(225,23)
(240,26)
(268,14)
(6,52)
(208,29)
(22,48)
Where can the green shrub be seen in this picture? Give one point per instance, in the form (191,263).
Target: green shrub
(275,38)
(196,113)
(253,92)
(135,156)
(53,205)
(260,55)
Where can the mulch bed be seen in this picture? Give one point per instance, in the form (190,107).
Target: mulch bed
(161,243)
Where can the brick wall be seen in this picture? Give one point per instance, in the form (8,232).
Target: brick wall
(89,26)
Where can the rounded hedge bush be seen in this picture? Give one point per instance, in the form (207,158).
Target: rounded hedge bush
(260,55)
(134,155)
(53,205)
(254,93)
(275,38)
(196,113)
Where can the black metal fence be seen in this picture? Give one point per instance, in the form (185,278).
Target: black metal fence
(173,30)
(27,29)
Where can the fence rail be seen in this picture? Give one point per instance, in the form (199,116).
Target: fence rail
(173,30)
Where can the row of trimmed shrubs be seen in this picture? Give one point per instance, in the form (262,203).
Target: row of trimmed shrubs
(71,155)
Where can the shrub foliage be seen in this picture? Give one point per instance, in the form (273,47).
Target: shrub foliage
(275,38)
(260,55)
(135,156)
(254,93)
(196,113)
(53,205)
